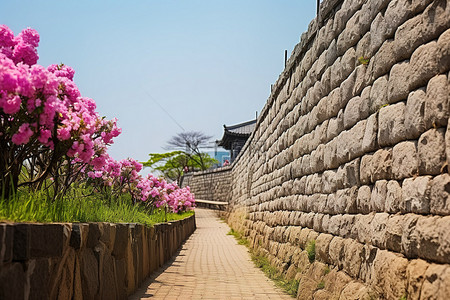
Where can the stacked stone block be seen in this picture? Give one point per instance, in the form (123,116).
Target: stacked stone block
(213,185)
(352,150)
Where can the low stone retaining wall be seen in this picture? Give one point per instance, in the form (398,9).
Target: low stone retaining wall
(84,260)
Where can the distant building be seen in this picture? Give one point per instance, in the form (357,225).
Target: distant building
(220,156)
(235,136)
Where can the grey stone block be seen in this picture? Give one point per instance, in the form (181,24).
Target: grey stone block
(381,165)
(334,104)
(329,181)
(363,199)
(398,88)
(378,230)
(365,170)
(370,142)
(416,194)
(394,232)
(378,94)
(440,195)
(405,161)
(431,149)
(335,125)
(444,53)
(409,236)
(330,156)
(353,110)
(347,88)
(378,197)
(378,32)
(437,107)
(424,64)
(351,173)
(415,113)
(394,197)
(391,124)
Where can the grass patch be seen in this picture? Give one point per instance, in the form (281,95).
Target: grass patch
(37,207)
(240,239)
(290,286)
(321,285)
(262,262)
(311,250)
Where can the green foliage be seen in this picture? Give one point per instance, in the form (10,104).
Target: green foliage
(363,60)
(311,250)
(172,164)
(240,239)
(290,286)
(381,106)
(326,270)
(39,207)
(321,285)
(404,297)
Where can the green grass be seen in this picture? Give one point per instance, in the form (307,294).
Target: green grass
(311,250)
(36,207)
(240,239)
(262,262)
(321,285)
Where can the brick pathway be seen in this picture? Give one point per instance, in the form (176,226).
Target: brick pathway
(211,265)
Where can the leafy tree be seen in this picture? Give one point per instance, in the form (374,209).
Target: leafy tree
(173,165)
(191,143)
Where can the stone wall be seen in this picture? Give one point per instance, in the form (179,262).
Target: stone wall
(344,183)
(213,185)
(84,260)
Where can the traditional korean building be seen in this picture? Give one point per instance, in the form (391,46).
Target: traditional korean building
(235,136)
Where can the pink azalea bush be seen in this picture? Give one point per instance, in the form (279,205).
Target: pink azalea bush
(123,176)
(42,112)
(49,128)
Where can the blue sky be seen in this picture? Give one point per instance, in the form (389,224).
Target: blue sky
(207,63)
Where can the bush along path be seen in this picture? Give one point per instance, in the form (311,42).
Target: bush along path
(52,138)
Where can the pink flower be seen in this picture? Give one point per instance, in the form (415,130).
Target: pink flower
(25,53)
(6,36)
(12,105)
(23,135)
(44,136)
(63,133)
(98,162)
(29,36)
(62,71)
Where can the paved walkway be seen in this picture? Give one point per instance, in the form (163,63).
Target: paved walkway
(210,265)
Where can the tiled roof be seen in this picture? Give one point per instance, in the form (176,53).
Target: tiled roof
(242,128)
